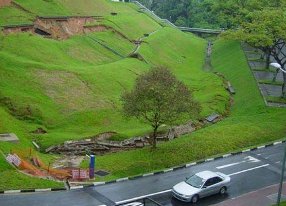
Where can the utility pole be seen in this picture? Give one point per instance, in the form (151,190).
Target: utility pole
(282,177)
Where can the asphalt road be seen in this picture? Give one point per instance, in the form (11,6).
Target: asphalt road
(249,171)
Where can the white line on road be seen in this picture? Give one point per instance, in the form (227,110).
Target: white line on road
(254,168)
(229,165)
(249,159)
(143,196)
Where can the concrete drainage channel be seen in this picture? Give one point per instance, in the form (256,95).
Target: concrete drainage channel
(94,184)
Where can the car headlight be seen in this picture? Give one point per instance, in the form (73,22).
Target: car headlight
(187,196)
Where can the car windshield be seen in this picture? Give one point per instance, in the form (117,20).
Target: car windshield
(195,181)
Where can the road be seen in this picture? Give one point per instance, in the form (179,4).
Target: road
(249,171)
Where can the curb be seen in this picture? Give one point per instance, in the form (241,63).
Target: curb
(143,175)
(177,167)
(32,190)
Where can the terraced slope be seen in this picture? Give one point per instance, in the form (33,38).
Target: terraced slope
(72,87)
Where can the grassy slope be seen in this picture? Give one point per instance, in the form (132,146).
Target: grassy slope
(10,178)
(11,15)
(182,53)
(57,79)
(250,123)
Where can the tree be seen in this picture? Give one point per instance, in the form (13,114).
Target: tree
(159,98)
(265,30)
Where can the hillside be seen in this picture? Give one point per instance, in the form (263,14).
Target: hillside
(68,81)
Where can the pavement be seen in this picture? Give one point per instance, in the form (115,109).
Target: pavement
(267,90)
(250,171)
(263,197)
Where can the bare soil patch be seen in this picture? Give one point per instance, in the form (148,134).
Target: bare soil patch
(69,91)
(5,3)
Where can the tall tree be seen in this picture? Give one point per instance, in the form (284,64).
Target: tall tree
(265,30)
(159,98)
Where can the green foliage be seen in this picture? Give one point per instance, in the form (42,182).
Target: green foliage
(159,98)
(209,13)
(262,29)
(72,87)
(250,123)
(14,16)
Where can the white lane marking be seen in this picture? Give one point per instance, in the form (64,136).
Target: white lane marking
(229,165)
(247,159)
(143,196)
(165,191)
(278,162)
(254,168)
(252,159)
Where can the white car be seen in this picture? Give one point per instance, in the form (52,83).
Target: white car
(200,185)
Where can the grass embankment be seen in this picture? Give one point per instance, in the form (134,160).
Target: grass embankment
(82,98)
(72,88)
(250,123)
(10,178)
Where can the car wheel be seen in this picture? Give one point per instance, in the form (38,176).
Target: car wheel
(195,199)
(222,190)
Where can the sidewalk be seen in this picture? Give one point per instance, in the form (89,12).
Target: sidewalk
(264,197)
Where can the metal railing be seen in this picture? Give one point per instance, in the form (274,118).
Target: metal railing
(153,15)
(201,30)
(187,29)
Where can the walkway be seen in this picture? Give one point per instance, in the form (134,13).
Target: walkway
(264,197)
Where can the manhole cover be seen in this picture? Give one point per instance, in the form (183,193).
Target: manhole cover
(101,173)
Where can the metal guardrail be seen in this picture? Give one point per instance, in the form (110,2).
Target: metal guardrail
(187,29)
(201,30)
(155,17)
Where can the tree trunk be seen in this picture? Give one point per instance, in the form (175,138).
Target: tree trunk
(284,86)
(268,60)
(154,142)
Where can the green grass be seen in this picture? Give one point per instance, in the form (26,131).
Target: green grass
(187,63)
(97,77)
(281,204)
(263,69)
(12,16)
(270,82)
(11,179)
(250,123)
(44,8)
(276,99)
(72,89)
(134,27)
